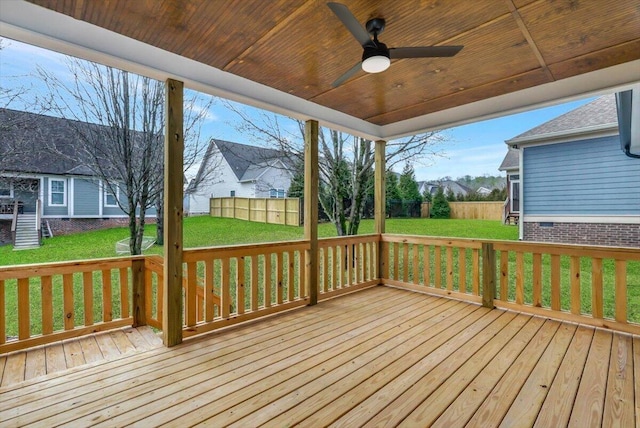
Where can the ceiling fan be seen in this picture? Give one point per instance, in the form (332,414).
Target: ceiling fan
(376,56)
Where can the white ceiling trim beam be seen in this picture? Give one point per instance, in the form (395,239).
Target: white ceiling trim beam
(29,23)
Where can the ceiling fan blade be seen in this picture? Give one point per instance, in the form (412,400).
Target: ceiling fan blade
(348,20)
(348,75)
(424,52)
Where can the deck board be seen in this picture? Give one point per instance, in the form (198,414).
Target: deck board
(380,356)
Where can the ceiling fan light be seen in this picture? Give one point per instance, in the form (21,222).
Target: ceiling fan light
(376,64)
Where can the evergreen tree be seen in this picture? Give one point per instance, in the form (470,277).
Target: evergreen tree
(392,192)
(440,207)
(451,197)
(296,189)
(408,187)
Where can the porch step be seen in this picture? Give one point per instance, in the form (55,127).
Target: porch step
(26,233)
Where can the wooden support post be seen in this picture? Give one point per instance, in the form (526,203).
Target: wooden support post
(380,202)
(173,212)
(488,275)
(311,207)
(139,282)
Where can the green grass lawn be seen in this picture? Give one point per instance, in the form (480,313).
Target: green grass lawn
(208,231)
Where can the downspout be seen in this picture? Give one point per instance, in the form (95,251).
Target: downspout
(522,213)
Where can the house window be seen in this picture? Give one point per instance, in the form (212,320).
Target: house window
(111,195)
(232,193)
(515,195)
(277,193)
(57,193)
(6,189)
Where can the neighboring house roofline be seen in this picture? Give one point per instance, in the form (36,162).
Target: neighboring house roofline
(565,136)
(594,119)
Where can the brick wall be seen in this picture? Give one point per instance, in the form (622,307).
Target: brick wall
(5,232)
(618,235)
(72,225)
(75,225)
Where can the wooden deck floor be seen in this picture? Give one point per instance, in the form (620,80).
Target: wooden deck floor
(42,360)
(379,357)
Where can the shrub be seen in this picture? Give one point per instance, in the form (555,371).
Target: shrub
(440,207)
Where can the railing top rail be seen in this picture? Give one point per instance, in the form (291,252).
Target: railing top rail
(195,254)
(433,240)
(351,239)
(603,252)
(41,269)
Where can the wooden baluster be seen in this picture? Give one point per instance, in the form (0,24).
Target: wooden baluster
(46,288)
(596,288)
(621,291)
(361,264)
(396,260)
(209,291)
(575,285)
(337,268)
(438,266)
(107,296)
(279,289)
(449,268)
(191,295)
(504,276)
(24,321)
(367,262)
(405,262)
(537,280)
(267,280)
(426,265)
(87,294)
(255,260)
(148,291)
(462,270)
(555,282)
(3,322)
(302,284)
(240,286)
(225,294)
(416,264)
(67,292)
(291,257)
(124,293)
(348,270)
(520,278)
(476,272)
(325,269)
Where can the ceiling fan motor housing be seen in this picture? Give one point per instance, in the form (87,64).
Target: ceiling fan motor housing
(375,58)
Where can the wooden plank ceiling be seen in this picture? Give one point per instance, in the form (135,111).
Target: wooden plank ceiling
(300,47)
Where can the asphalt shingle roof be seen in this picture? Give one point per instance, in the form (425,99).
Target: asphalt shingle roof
(601,111)
(511,160)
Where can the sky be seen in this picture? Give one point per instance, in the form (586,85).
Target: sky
(475,149)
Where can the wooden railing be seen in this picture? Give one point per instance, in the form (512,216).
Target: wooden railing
(598,286)
(346,264)
(57,301)
(39,220)
(222,286)
(232,284)
(593,285)
(440,266)
(14,221)
(154,276)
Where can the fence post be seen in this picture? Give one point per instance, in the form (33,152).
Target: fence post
(138,273)
(488,275)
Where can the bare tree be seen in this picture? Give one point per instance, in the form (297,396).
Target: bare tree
(119,123)
(346,164)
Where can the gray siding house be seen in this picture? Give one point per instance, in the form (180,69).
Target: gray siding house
(577,184)
(40,160)
(234,169)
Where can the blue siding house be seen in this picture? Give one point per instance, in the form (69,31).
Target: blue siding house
(39,160)
(577,184)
